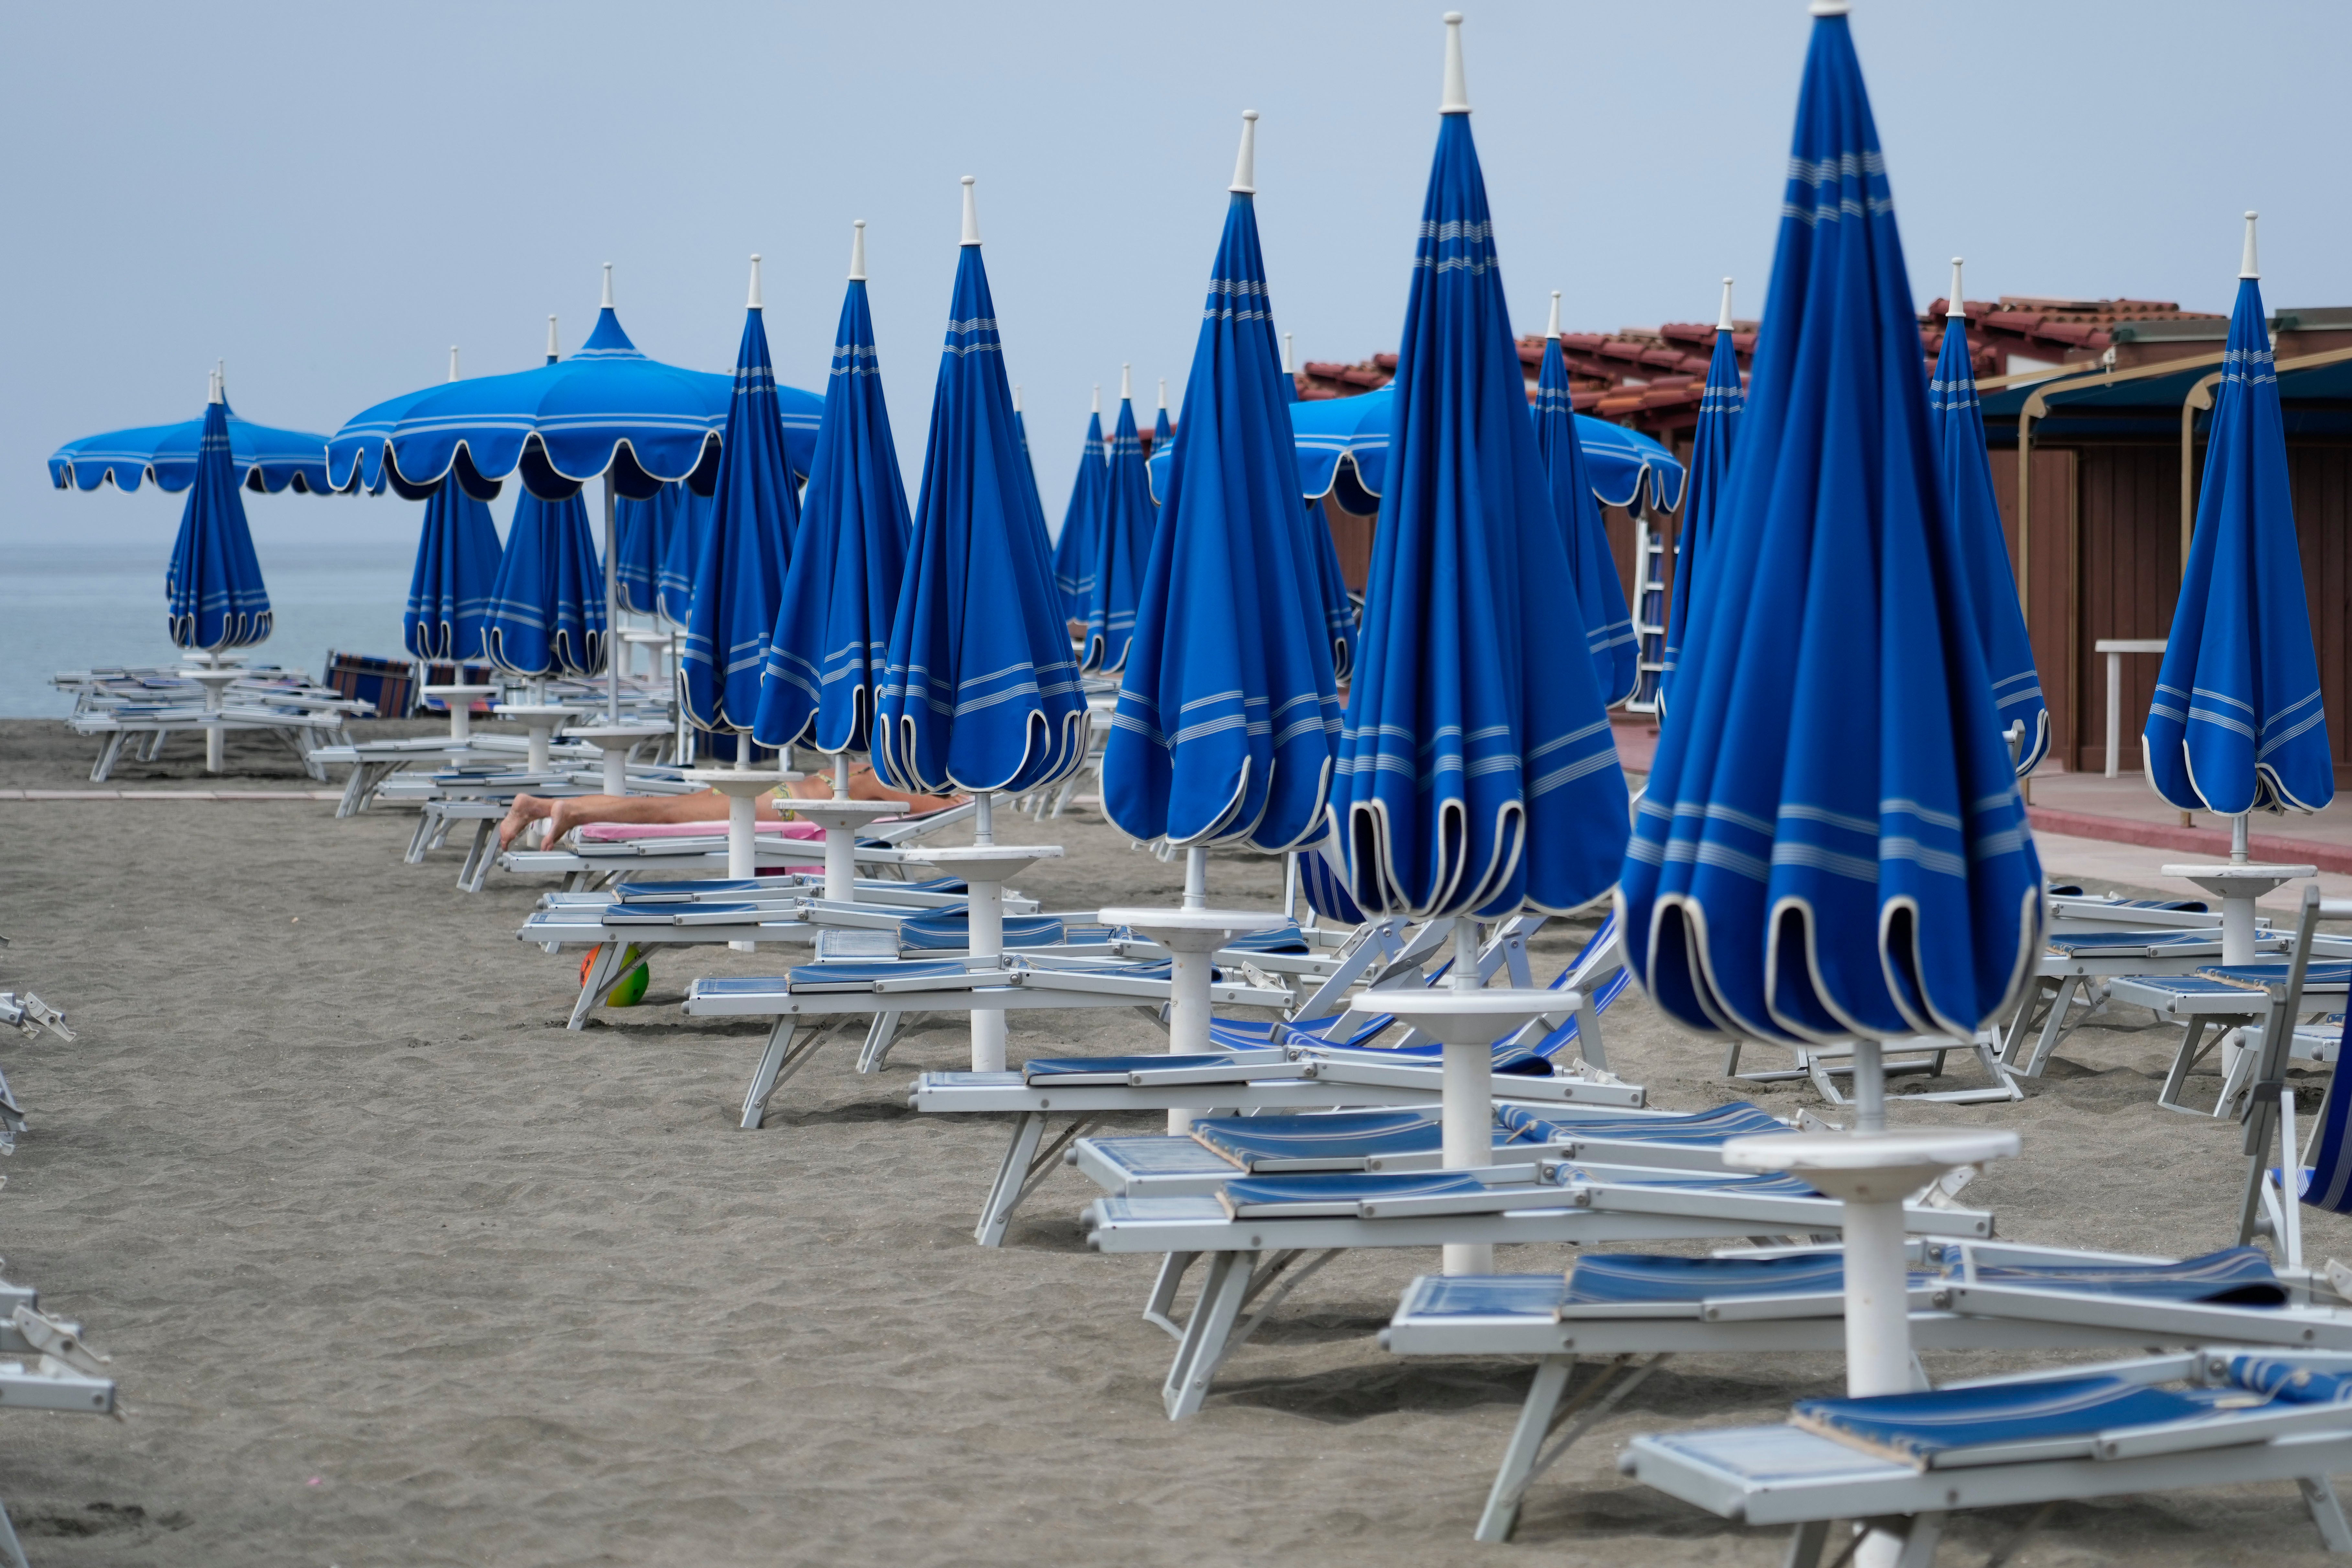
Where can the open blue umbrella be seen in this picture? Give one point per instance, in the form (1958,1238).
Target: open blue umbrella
(1477,775)
(1076,552)
(1719,403)
(1332,583)
(739,574)
(214,585)
(643,530)
(546,614)
(1228,710)
(1831,844)
(607,410)
(1600,595)
(1974,517)
(2239,723)
(261,459)
(982,692)
(456,570)
(1125,548)
(827,651)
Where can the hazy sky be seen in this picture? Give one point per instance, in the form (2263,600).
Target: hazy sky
(329,197)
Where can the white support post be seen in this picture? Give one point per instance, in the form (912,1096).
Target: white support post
(1467,1119)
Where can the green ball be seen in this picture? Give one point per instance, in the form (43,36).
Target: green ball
(631,989)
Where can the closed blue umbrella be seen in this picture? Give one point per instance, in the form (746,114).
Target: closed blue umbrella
(1982,542)
(214,585)
(1029,467)
(546,614)
(1128,516)
(1228,708)
(457,556)
(1600,595)
(2239,723)
(1719,403)
(1163,435)
(826,654)
(1332,583)
(1076,552)
(674,586)
(643,530)
(739,574)
(1832,844)
(982,692)
(1476,776)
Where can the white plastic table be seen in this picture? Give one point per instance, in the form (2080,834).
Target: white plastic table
(2114,648)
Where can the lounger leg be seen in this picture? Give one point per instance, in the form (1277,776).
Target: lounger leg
(2053,1027)
(2319,1497)
(1511,1478)
(601,971)
(1920,1535)
(1805,1545)
(1204,1346)
(1588,1035)
(469,879)
(416,839)
(880,1036)
(1011,1172)
(1587,1410)
(2176,1081)
(777,1063)
(1159,1308)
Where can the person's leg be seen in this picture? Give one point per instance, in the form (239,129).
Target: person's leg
(865,784)
(563,815)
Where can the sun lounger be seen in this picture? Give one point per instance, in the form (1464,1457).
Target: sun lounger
(48,1368)
(2213,1001)
(1634,1312)
(1904,1461)
(23,1011)
(2075,967)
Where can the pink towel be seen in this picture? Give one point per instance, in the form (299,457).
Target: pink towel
(618,832)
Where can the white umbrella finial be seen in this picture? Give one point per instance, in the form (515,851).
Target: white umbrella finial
(1286,339)
(1830,8)
(1245,163)
(2247,268)
(1016,398)
(1098,397)
(1722,322)
(857,252)
(553,352)
(754,304)
(1954,305)
(608,285)
(1163,391)
(220,381)
(971,213)
(1457,86)
(1553,330)
(453,362)
(1127,383)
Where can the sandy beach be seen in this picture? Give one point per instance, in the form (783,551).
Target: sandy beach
(395,1269)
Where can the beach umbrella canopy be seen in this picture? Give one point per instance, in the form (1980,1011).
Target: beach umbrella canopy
(1600,597)
(456,570)
(1719,403)
(1125,547)
(2239,723)
(739,571)
(827,652)
(214,585)
(1227,723)
(1076,552)
(1477,772)
(546,605)
(1029,470)
(261,459)
(1831,844)
(1332,583)
(980,692)
(1163,435)
(674,582)
(1981,541)
(643,530)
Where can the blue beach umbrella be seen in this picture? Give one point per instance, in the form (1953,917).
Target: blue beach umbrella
(261,458)
(674,584)
(1029,468)
(1719,403)
(1832,844)
(1980,539)
(2239,723)
(739,573)
(1125,548)
(1476,772)
(1076,552)
(1600,596)
(1332,583)
(1163,435)
(1227,721)
(643,530)
(214,585)
(980,692)
(457,555)
(546,614)
(827,651)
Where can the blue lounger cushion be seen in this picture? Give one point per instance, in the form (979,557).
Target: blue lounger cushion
(1630,1278)
(1337,1194)
(950,929)
(671,892)
(2260,976)
(1255,1034)
(2151,943)
(2235,1277)
(1738,1120)
(1963,1425)
(1764,1185)
(667,914)
(1045,1068)
(850,975)
(1330,1143)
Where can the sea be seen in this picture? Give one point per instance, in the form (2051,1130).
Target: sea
(71,605)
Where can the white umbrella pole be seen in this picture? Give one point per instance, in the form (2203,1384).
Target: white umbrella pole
(1188,974)
(986,921)
(742,820)
(840,842)
(1469,1086)
(1877,1282)
(613,610)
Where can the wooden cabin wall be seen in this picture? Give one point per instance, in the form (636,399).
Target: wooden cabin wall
(1351,541)
(2319,475)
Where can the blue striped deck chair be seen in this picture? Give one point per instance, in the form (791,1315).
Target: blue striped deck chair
(1903,1462)
(2322,1170)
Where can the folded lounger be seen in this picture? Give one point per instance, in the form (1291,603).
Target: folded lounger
(1256,1229)
(1622,1308)
(1904,1461)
